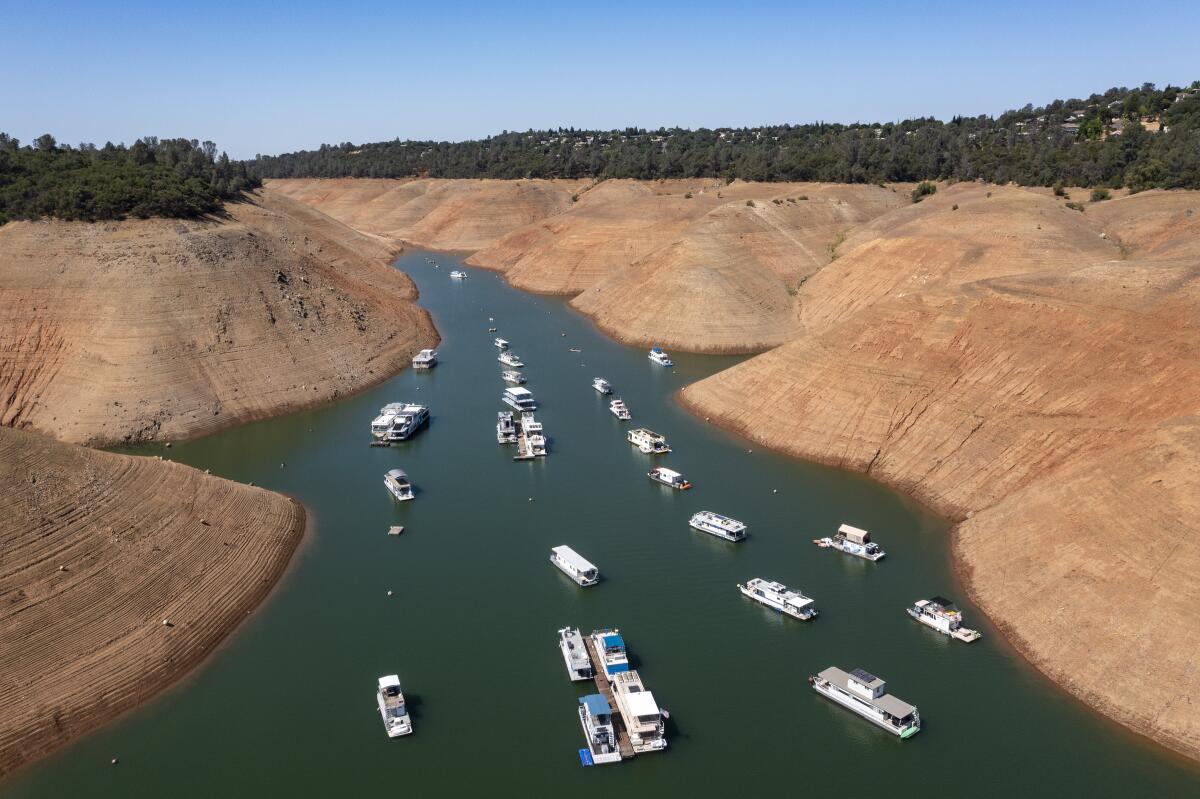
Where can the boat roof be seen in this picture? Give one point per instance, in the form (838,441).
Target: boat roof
(518,392)
(390,681)
(866,678)
(887,703)
(897,707)
(849,528)
(656,349)
(641,703)
(396,474)
(645,431)
(941,600)
(613,641)
(573,558)
(426,352)
(665,472)
(596,704)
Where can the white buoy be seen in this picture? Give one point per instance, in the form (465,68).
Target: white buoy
(389,593)
(774,490)
(114,761)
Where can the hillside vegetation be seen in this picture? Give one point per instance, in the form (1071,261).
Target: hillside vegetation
(1137,138)
(168,178)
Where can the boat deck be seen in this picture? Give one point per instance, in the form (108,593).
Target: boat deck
(603,687)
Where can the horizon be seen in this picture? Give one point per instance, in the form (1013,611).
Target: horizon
(254,82)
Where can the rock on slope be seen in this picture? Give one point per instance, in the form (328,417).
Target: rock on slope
(163,328)
(98,550)
(1040,385)
(438,214)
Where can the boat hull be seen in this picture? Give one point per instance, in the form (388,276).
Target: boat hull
(579,580)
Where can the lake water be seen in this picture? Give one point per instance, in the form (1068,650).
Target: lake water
(287,707)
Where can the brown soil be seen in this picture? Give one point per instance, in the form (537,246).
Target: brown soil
(100,549)
(163,329)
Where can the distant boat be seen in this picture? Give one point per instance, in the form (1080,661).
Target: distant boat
(425,359)
(501,343)
(457,275)
(602,385)
(661,358)
(398,484)
(392,707)
(618,409)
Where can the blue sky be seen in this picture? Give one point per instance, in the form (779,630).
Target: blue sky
(274,77)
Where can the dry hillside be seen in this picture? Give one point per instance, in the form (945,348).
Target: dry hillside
(165,328)
(100,549)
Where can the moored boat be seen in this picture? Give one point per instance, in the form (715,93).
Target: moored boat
(640,712)
(519,399)
(610,649)
(648,441)
(595,715)
(659,357)
(501,343)
(392,707)
(512,377)
(458,275)
(866,695)
(398,484)
(506,428)
(853,541)
(721,526)
(940,614)
(425,359)
(575,655)
(602,385)
(575,566)
(779,597)
(510,359)
(618,409)
(668,477)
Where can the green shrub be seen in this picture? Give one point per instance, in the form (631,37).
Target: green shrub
(923,190)
(1099,194)
(1075,207)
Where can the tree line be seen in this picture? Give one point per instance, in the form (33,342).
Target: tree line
(1111,139)
(168,177)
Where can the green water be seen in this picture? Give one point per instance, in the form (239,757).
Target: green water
(287,707)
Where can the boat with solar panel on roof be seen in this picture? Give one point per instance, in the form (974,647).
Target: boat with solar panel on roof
(865,694)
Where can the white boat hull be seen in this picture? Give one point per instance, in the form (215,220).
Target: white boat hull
(960,633)
(579,580)
(718,532)
(870,714)
(599,758)
(778,606)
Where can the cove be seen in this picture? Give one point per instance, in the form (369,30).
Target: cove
(287,707)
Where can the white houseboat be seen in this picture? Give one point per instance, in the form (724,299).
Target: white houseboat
(610,649)
(510,359)
(780,597)
(531,443)
(458,275)
(501,343)
(512,376)
(392,707)
(595,715)
(853,541)
(407,422)
(618,409)
(382,423)
(575,566)
(721,526)
(940,614)
(519,399)
(425,359)
(575,655)
(602,385)
(506,428)
(648,441)
(867,695)
(668,477)
(661,358)
(398,484)
(642,716)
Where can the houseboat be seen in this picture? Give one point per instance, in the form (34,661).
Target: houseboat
(575,566)
(866,695)
(610,649)
(668,477)
(642,716)
(602,385)
(510,376)
(853,541)
(940,614)
(780,597)
(398,484)
(661,358)
(383,422)
(510,359)
(458,275)
(595,716)
(531,443)
(617,408)
(398,421)
(501,343)
(425,359)
(575,655)
(648,441)
(721,526)
(506,428)
(392,708)
(519,399)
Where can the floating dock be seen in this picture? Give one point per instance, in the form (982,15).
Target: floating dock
(605,689)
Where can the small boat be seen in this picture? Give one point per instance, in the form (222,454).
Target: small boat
(639,709)
(425,359)
(491,330)
(618,409)
(510,359)
(512,376)
(574,349)
(596,717)
(392,707)
(661,358)
(721,526)
(457,275)
(501,343)
(506,429)
(579,663)
(575,566)
(602,385)
(519,399)
(866,695)
(940,614)
(648,441)
(852,541)
(780,597)
(610,649)
(668,477)
(398,484)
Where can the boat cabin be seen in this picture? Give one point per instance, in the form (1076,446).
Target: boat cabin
(854,534)
(575,565)
(520,398)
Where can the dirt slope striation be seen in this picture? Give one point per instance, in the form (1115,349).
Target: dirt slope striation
(100,549)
